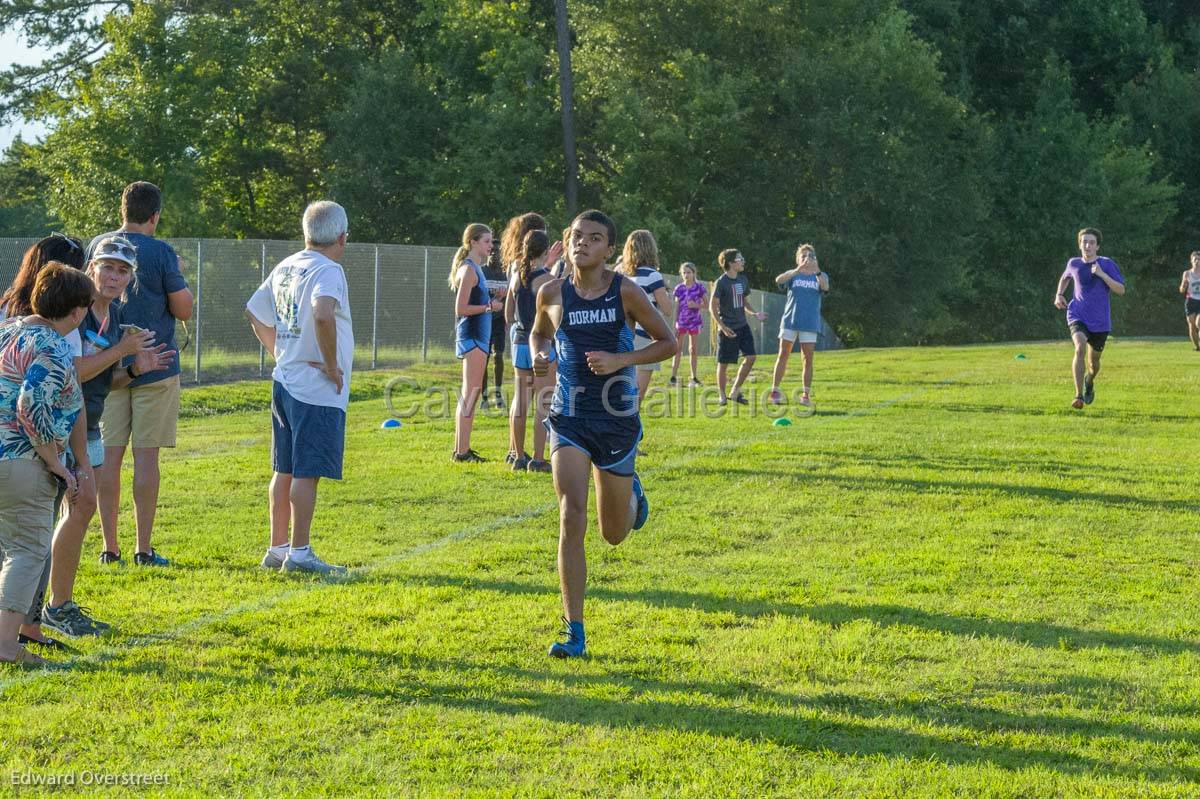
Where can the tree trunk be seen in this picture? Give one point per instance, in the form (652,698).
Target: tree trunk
(566,90)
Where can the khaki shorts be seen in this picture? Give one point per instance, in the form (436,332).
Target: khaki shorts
(145,416)
(640,343)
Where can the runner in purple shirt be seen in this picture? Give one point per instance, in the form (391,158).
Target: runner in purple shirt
(1088,314)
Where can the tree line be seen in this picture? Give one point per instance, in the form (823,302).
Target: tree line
(941,154)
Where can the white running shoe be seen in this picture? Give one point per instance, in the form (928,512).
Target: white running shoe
(311,564)
(272,561)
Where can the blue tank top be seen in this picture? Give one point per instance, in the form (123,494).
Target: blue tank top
(478,327)
(587,326)
(526,307)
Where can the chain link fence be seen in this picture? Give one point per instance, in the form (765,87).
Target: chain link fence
(400,303)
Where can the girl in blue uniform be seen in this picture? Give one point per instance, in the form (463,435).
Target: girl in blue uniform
(528,275)
(588,317)
(806,285)
(472,330)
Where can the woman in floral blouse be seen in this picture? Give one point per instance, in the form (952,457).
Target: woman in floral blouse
(40,400)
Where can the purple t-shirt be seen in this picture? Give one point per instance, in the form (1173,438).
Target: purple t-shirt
(1089,303)
(689,318)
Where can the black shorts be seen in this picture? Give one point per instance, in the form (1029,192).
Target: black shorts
(1095,340)
(611,443)
(729,347)
(499,334)
(1191,307)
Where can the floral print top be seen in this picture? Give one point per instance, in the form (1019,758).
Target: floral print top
(40,398)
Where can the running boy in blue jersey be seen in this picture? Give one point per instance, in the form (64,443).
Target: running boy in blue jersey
(588,317)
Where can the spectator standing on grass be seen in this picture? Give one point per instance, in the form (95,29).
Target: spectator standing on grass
(17,302)
(473,309)
(497,286)
(145,413)
(728,306)
(690,296)
(1189,287)
(806,285)
(301,314)
(1088,315)
(102,366)
(40,402)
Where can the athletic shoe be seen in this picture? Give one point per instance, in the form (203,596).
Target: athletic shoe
(510,457)
(1089,389)
(111,559)
(775,397)
(470,456)
(539,466)
(151,558)
(741,400)
(71,620)
(575,646)
(722,401)
(672,382)
(498,400)
(1077,403)
(643,504)
(48,642)
(805,399)
(521,464)
(272,561)
(695,382)
(311,564)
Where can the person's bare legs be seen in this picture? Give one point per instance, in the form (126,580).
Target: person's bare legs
(146,479)
(474,367)
(499,388)
(1081,347)
(643,384)
(302,497)
(518,417)
(742,374)
(68,542)
(616,507)
(693,355)
(571,467)
(722,370)
(279,497)
(1194,330)
(781,361)
(806,352)
(108,485)
(10,649)
(677,358)
(1093,362)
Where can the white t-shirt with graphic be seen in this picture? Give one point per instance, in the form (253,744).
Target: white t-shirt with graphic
(286,300)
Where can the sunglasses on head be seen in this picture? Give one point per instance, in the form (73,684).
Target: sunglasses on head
(72,243)
(116,247)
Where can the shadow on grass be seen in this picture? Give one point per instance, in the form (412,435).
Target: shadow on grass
(620,699)
(1033,633)
(878,482)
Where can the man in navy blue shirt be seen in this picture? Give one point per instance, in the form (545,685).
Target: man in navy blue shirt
(146,412)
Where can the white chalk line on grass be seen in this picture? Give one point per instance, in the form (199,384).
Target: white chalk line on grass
(114,651)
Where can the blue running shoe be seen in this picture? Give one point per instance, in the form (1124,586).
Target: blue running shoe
(643,504)
(574,646)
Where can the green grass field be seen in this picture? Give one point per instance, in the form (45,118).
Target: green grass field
(946,583)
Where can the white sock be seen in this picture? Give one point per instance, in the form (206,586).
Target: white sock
(278,551)
(300,553)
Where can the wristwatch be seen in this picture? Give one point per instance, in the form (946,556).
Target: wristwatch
(129,371)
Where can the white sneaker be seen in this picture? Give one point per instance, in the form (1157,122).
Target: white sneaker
(311,564)
(271,561)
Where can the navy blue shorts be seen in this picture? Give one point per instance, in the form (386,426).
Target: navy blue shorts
(728,347)
(610,443)
(306,440)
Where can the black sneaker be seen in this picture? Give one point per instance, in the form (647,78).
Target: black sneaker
(151,558)
(520,464)
(71,620)
(510,458)
(111,559)
(48,642)
(741,400)
(1089,389)
(470,456)
(672,382)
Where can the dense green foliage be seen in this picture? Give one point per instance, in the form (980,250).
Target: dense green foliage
(944,584)
(940,153)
